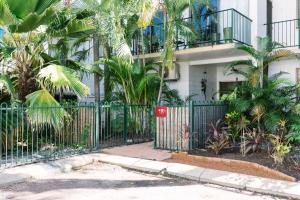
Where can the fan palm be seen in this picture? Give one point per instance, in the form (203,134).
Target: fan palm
(24,17)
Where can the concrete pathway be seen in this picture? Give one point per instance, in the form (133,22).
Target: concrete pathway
(101,181)
(227,179)
(143,150)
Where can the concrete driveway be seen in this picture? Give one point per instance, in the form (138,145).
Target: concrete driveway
(102,181)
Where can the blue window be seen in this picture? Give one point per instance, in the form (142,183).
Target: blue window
(201,19)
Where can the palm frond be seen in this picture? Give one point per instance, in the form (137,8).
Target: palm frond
(44,109)
(57,78)
(6,82)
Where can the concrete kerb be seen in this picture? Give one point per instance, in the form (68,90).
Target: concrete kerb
(227,179)
(23,173)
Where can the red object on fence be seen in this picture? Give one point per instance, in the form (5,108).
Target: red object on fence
(161,111)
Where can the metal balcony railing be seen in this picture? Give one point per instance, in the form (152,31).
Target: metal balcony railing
(226,26)
(286,33)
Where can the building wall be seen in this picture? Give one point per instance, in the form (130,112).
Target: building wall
(197,73)
(182,85)
(240,5)
(284,10)
(286,65)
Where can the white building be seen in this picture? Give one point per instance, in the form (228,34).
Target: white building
(232,23)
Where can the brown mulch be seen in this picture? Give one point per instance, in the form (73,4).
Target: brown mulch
(262,158)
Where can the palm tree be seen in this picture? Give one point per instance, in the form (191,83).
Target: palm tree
(173,11)
(30,77)
(135,83)
(266,53)
(266,99)
(27,17)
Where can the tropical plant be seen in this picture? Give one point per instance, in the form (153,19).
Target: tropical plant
(135,84)
(281,146)
(265,99)
(251,141)
(28,17)
(116,22)
(232,120)
(217,138)
(267,52)
(32,80)
(173,11)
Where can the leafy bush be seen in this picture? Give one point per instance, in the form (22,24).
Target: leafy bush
(281,146)
(232,121)
(217,138)
(252,141)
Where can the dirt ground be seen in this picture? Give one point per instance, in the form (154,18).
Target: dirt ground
(263,158)
(101,181)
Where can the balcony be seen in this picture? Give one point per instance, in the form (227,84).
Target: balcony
(221,27)
(285,33)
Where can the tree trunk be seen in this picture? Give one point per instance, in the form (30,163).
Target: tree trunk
(143,47)
(96,52)
(107,85)
(161,84)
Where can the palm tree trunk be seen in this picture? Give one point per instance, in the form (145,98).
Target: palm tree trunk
(107,85)
(96,47)
(143,48)
(161,84)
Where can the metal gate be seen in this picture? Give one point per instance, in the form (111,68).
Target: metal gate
(185,126)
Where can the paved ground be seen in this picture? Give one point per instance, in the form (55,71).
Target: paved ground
(102,181)
(144,151)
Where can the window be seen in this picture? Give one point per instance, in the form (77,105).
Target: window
(228,87)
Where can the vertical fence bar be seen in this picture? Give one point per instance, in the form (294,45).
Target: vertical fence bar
(97,125)
(125,124)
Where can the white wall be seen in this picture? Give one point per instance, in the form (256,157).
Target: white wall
(258,13)
(239,5)
(191,76)
(197,73)
(182,85)
(284,10)
(287,65)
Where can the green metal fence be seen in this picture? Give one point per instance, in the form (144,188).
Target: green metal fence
(28,135)
(185,127)
(32,134)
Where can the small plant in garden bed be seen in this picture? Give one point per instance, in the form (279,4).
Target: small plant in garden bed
(217,138)
(232,120)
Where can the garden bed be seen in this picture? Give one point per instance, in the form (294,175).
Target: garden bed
(258,164)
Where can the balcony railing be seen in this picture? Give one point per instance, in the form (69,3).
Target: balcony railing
(226,26)
(286,33)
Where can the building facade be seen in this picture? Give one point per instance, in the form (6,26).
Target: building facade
(202,62)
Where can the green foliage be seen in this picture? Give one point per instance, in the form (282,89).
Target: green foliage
(266,100)
(135,84)
(232,120)
(281,146)
(217,138)
(251,141)
(28,17)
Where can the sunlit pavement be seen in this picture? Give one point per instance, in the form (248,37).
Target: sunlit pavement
(101,181)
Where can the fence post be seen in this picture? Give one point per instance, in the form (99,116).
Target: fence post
(125,124)
(191,124)
(97,125)
(155,128)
